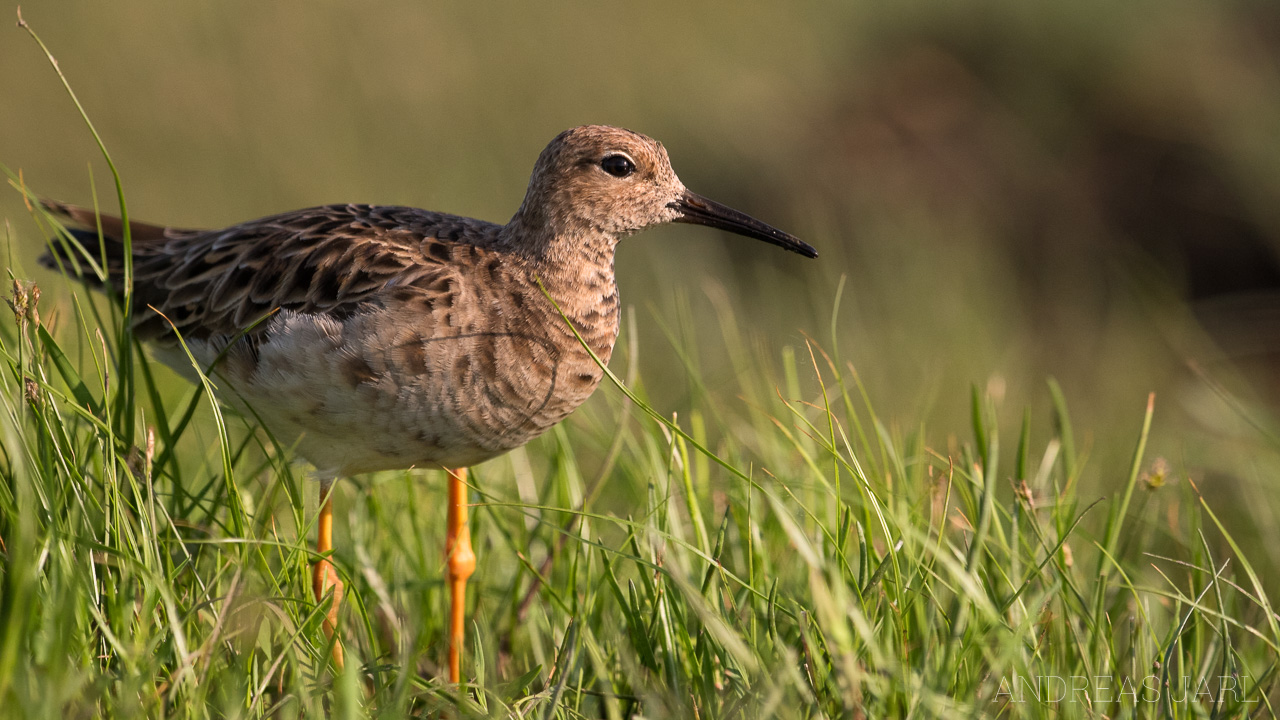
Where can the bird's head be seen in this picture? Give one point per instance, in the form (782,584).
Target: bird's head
(611,181)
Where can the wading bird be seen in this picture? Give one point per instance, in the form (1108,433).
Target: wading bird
(380,338)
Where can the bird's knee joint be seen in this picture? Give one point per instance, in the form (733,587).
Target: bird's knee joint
(324,577)
(462,562)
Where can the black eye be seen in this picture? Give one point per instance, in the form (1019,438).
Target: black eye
(618,166)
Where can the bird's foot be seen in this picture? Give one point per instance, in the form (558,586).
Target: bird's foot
(324,579)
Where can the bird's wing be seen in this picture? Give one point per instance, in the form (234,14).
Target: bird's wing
(330,259)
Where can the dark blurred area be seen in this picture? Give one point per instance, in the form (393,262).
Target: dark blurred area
(1007,191)
(1101,157)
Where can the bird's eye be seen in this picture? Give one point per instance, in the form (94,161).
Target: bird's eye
(618,166)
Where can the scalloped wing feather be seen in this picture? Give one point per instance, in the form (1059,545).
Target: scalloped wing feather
(330,259)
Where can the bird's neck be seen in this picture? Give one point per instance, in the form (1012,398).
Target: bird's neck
(575,266)
(571,257)
(550,232)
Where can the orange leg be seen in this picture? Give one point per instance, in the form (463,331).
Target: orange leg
(323,576)
(462,562)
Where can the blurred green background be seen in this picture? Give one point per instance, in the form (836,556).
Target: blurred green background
(1009,191)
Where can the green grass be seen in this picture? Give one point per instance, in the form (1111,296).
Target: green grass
(782,554)
(786,550)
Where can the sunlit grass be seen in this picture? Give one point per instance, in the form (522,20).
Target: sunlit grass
(788,556)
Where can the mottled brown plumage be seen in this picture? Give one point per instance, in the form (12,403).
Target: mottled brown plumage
(390,337)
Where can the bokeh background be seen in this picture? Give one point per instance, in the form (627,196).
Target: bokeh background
(1001,192)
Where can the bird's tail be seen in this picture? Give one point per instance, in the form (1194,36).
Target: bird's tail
(83,224)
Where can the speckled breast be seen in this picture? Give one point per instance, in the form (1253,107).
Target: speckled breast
(385,390)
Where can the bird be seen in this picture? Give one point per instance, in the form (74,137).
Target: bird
(374,338)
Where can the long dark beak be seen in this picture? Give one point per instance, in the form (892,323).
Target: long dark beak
(697,210)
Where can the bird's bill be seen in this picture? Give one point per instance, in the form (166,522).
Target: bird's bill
(697,210)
